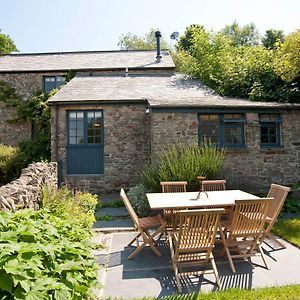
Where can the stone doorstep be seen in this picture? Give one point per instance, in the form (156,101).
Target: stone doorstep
(112,211)
(106,198)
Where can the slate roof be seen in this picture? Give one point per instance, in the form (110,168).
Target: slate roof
(158,91)
(88,60)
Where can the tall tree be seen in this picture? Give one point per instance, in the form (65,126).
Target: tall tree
(242,36)
(130,41)
(272,38)
(288,58)
(7,45)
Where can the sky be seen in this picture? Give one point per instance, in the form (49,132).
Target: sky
(81,25)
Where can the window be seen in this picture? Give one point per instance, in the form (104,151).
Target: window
(269,130)
(85,148)
(222,129)
(53,82)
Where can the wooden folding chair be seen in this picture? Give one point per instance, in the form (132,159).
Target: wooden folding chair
(172,187)
(192,244)
(245,229)
(143,227)
(279,193)
(213,185)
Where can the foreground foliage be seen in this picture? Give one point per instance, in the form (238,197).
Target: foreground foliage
(183,162)
(273,293)
(47,254)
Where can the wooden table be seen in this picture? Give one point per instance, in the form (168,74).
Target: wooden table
(189,199)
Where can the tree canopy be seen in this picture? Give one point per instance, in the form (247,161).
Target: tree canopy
(234,64)
(7,45)
(272,38)
(130,41)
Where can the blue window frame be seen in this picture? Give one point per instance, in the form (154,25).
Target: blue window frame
(85,148)
(53,82)
(269,130)
(224,130)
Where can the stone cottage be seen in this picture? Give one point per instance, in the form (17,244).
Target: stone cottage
(122,107)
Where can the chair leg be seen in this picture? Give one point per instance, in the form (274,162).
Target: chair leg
(134,239)
(263,256)
(230,259)
(213,263)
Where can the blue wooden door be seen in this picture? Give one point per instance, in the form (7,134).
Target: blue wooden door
(85,147)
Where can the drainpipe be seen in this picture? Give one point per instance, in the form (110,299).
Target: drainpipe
(56,148)
(148,112)
(158,36)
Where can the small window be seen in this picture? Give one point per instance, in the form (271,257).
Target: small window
(269,130)
(222,129)
(53,82)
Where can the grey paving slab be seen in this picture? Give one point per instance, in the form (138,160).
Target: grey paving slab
(117,225)
(112,211)
(149,275)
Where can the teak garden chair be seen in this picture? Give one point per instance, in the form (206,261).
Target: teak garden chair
(213,185)
(172,187)
(192,244)
(245,229)
(279,193)
(143,227)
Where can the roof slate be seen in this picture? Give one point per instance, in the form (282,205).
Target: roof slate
(159,91)
(92,60)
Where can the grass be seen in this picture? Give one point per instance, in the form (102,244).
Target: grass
(104,218)
(273,293)
(116,203)
(288,230)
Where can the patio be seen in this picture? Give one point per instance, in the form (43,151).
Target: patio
(152,276)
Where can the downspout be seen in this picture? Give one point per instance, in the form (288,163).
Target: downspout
(148,111)
(59,166)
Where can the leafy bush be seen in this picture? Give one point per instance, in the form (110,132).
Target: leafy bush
(43,256)
(8,167)
(63,203)
(183,162)
(138,199)
(291,205)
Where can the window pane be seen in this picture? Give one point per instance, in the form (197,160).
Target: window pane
(72,140)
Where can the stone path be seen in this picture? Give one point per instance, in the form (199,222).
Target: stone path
(120,222)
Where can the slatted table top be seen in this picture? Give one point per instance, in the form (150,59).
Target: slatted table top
(189,199)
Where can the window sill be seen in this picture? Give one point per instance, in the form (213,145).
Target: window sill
(270,150)
(237,150)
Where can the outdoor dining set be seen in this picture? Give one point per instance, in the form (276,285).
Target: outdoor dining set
(193,223)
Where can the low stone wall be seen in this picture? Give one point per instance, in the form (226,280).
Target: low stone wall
(26,190)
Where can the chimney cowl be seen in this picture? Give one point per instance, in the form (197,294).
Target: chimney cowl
(158,36)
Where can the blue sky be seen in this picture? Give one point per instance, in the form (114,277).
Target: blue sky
(72,25)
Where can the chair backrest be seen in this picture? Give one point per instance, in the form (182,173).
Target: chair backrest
(249,217)
(173,186)
(129,207)
(279,193)
(213,185)
(197,230)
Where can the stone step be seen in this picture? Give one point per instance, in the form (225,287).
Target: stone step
(117,225)
(109,198)
(116,212)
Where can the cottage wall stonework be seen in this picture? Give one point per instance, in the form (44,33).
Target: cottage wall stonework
(26,85)
(125,148)
(251,168)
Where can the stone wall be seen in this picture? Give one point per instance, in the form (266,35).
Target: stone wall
(251,168)
(25,192)
(26,85)
(125,146)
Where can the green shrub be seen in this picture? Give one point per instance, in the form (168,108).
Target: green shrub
(183,162)
(138,199)
(63,203)
(43,256)
(8,167)
(291,205)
